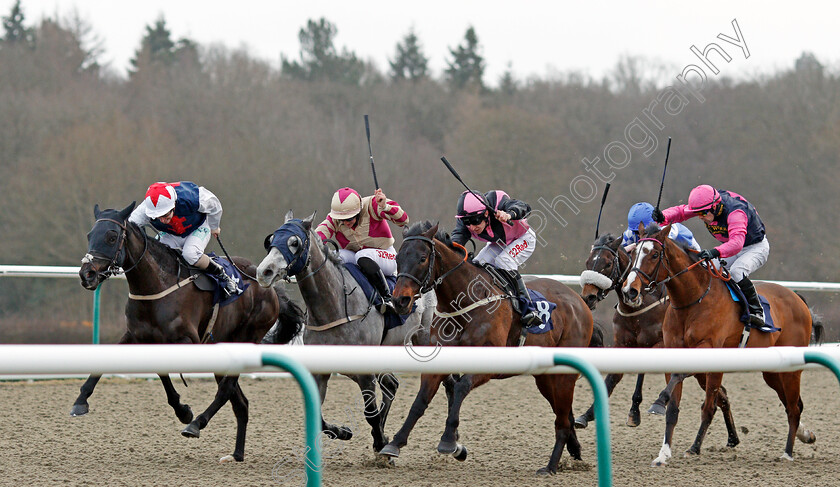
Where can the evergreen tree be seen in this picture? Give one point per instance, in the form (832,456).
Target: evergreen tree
(507,83)
(467,65)
(158,50)
(319,59)
(16,32)
(409,62)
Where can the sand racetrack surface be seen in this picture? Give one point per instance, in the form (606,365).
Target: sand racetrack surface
(131,437)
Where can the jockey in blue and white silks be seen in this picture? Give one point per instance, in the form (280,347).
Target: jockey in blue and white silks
(641,213)
(186,215)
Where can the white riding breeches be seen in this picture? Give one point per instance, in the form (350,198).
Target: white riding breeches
(748,260)
(508,257)
(192,245)
(386,259)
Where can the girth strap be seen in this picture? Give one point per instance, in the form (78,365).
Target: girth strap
(473,306)
(152,297)
(333,324)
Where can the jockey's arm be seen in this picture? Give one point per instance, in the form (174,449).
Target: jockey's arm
(515,208)
(460,235)
(209,204)
(138,216)
(737,227)
(325,230)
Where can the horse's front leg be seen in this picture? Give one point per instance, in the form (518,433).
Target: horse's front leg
(367,384)
(388,384)
(671,417)
(722,402)
(658,406)
(713,381)
(429,384)
(332,431)
(182,411)
(634,417)
(611,380)
(80,407)
(449,440)
(224,389)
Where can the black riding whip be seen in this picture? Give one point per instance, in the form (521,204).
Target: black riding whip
(219,239)
(480,197)
(603,200)
(370,151)
(667,153)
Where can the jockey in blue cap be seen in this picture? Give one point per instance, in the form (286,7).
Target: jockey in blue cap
(642,213)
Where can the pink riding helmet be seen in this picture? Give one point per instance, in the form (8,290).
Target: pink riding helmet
(472,204)
(702,198)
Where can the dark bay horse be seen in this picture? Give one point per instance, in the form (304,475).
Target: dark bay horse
(703,315)
(633,326)
(472,310)
(340,314)
(183,314)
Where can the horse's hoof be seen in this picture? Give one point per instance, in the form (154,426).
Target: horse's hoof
(446,447)
(191,431)
(79,410)
(732,443)
(460,453)
(231,458)
(581,423)
(634,419)
(185,416)
(390,450)
(658,463)
(546,471)
(805,435)
(344,433)
(787,457)
(657,409)
(691,453)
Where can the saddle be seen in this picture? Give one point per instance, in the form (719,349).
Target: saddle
(207,282)
(738,296)
(392,320)
(538,302)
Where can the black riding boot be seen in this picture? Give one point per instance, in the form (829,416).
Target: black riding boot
(756,311)
(217,270)
(376,277)
(530,318)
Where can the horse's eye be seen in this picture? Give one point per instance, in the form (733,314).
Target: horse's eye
(423,259)
(111,238)
(655,254)
(292,242)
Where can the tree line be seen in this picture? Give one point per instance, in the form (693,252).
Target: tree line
(266,139)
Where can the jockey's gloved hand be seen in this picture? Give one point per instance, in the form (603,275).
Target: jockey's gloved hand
(709,254)
(657,215)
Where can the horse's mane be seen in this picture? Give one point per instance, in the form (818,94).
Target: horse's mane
(424,226)
(655,228)
(166,257)
(604,239)
(330,254)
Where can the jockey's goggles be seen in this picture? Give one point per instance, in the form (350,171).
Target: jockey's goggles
(473,219)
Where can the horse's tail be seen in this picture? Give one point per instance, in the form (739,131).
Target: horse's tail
(290,320)
(817,327)
(597,340)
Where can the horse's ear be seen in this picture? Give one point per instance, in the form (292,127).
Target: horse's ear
(615,243)
(307,222)
(289,216)
(96,211)
(430,233)
(663,234)
(642,230)
(124,214)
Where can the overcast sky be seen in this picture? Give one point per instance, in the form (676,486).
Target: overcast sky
(540,38)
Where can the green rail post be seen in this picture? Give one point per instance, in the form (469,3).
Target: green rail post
(312,411)
(96,315)
(602,414)
(823,359)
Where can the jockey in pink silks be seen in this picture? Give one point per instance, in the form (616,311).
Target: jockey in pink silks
(510,241)
(360,226)
(732,220)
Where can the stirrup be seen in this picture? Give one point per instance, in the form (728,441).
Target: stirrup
(386,305)
(757,322)
(531,319)
(230,287)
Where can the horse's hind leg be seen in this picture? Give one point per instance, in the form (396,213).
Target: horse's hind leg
(712,384)
(182,411)
(786,386)
(634,417)
(239,403)
(559,391)
(722,402)
(611,380)
(658,406)
(224,390)
(429,384)
(367,384)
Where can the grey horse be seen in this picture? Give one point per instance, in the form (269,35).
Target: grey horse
(340,314)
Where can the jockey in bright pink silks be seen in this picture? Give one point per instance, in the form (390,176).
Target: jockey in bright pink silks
(732,220)
(186,215)
(510,241)
(360,226)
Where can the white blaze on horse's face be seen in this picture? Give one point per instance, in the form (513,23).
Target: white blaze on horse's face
(642,250)
(272,268)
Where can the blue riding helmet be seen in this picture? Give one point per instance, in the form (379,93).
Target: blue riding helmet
(639,213)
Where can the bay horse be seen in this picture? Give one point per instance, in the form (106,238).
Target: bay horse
(635,325)
(703,315)
(472,310)
(340,314)
(162,309)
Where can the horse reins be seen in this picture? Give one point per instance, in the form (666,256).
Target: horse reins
(113,268)
(425,283)
(615,277)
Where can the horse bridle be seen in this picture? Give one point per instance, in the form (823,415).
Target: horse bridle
(614,276)
(652,283)
(115,263)
(426,284)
